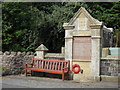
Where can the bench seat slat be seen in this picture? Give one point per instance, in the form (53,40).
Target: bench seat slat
(46,70)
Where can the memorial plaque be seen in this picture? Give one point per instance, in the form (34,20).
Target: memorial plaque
(82,48)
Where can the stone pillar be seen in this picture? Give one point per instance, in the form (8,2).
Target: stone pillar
(40,51)
(68,50)
(96,51)
(68,41)
(68,44)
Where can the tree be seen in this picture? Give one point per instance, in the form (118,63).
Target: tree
(27,25)
(109,14)
(20,21)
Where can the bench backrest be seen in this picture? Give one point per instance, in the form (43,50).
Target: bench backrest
(50,64)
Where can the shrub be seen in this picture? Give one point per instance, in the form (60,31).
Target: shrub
(4,70)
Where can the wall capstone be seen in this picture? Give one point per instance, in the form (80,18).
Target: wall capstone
(1,53)
(19,53)
(6,53)
(14,53)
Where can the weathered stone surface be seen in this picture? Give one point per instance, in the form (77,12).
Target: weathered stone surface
(6,53)
(23,53)
(15,62)
(110,67)
(109,78)
(83,25)
(41,48)
(32,53)
(1,53)
(28,53)
(40,51)
(13,53)
(35,54)
(19,53)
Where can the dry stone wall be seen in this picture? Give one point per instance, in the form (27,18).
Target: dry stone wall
(110,67)
(14,62)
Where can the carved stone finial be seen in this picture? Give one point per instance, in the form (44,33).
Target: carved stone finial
(41,48)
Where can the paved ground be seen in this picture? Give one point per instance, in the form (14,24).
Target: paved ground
(12,86)
(40,82)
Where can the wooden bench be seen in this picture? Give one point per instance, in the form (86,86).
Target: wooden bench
(49,66)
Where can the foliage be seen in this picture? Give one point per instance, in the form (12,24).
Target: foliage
(4,70)
(109,14)
(27,25)
(20,26)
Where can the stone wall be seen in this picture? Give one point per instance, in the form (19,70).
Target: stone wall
(110,67)
(57,56)
(107,36)
(14,62)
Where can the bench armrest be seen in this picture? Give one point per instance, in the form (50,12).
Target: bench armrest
(26,65)
(65,68)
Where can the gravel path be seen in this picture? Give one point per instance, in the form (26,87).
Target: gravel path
(40,82)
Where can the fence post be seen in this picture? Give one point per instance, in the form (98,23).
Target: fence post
(40,51)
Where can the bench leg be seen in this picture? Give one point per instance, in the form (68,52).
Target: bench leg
(63,76)
(31,72)
(67,76)
(44,74)
(25,72)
